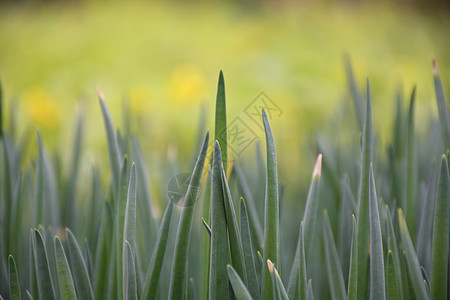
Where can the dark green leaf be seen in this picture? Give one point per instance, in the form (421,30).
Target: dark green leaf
(440,246)
(253,284)
(240,291)
(78,267)
(218,283)
(65,281)
(220,129)
(178,276)
(363,229)
(334,271)
(272,214)
(377,286)
(159,251)
(14,287)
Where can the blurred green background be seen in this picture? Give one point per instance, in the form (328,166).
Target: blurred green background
(160,61)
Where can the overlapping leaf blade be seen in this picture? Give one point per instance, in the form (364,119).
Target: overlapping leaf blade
(178,275)
(440,246)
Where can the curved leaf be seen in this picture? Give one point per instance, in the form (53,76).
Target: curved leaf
(129,273)
(14,287)
(78,267)
(65,281)
(415,274)
(159,251)
(240,291)
(440,246)
(178,275)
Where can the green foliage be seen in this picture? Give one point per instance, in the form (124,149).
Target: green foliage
(382,246)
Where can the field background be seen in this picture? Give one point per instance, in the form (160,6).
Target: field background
(161,61)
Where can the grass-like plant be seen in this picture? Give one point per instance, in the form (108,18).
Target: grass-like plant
(383,233)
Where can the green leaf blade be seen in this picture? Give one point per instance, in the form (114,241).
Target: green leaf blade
(334,271)
(272,215)
(218,283)
(377,284)
(44,280)
(178,274)
(249,254)
(66,286)
(413,266)
(440,244)
(239,288)
(78,267)
(111,138)
(129,273)
(220,129)
(352,291)
(442,107)
(363,229)
(14,286)
(157,259)
(237,253)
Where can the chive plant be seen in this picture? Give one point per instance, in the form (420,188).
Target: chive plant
(380,230)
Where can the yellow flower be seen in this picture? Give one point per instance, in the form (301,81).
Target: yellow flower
(139,99)
(42,109)
(187,85)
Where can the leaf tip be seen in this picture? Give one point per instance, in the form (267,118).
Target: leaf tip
(435,68)
(270,266)
(318,167)
(100,94)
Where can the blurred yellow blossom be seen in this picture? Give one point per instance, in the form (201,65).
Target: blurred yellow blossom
(187,84)
(42,109)
(139,99)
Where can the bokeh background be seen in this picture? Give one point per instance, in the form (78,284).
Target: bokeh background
(160,61)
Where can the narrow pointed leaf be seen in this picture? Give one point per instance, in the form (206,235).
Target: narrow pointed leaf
(271,211)
(159,251)
(334,271)
(79,270)
(129,273)
(442,107)
(239,288)
(358,100)
(411,172)
(66,286)
(129,232)
(311,209)
(249,254)
(218,283)
(220,129)
(119,220)
(392,246)
(44,280)
(377,286)
(363,229)
(298,281)
(392,288)
(180,256)
(111,138)
(309,291)
(353,272)
(440,246)
(280,286)
(237,254)
(255,224)
(413,266)
(208,229)
(14,287)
